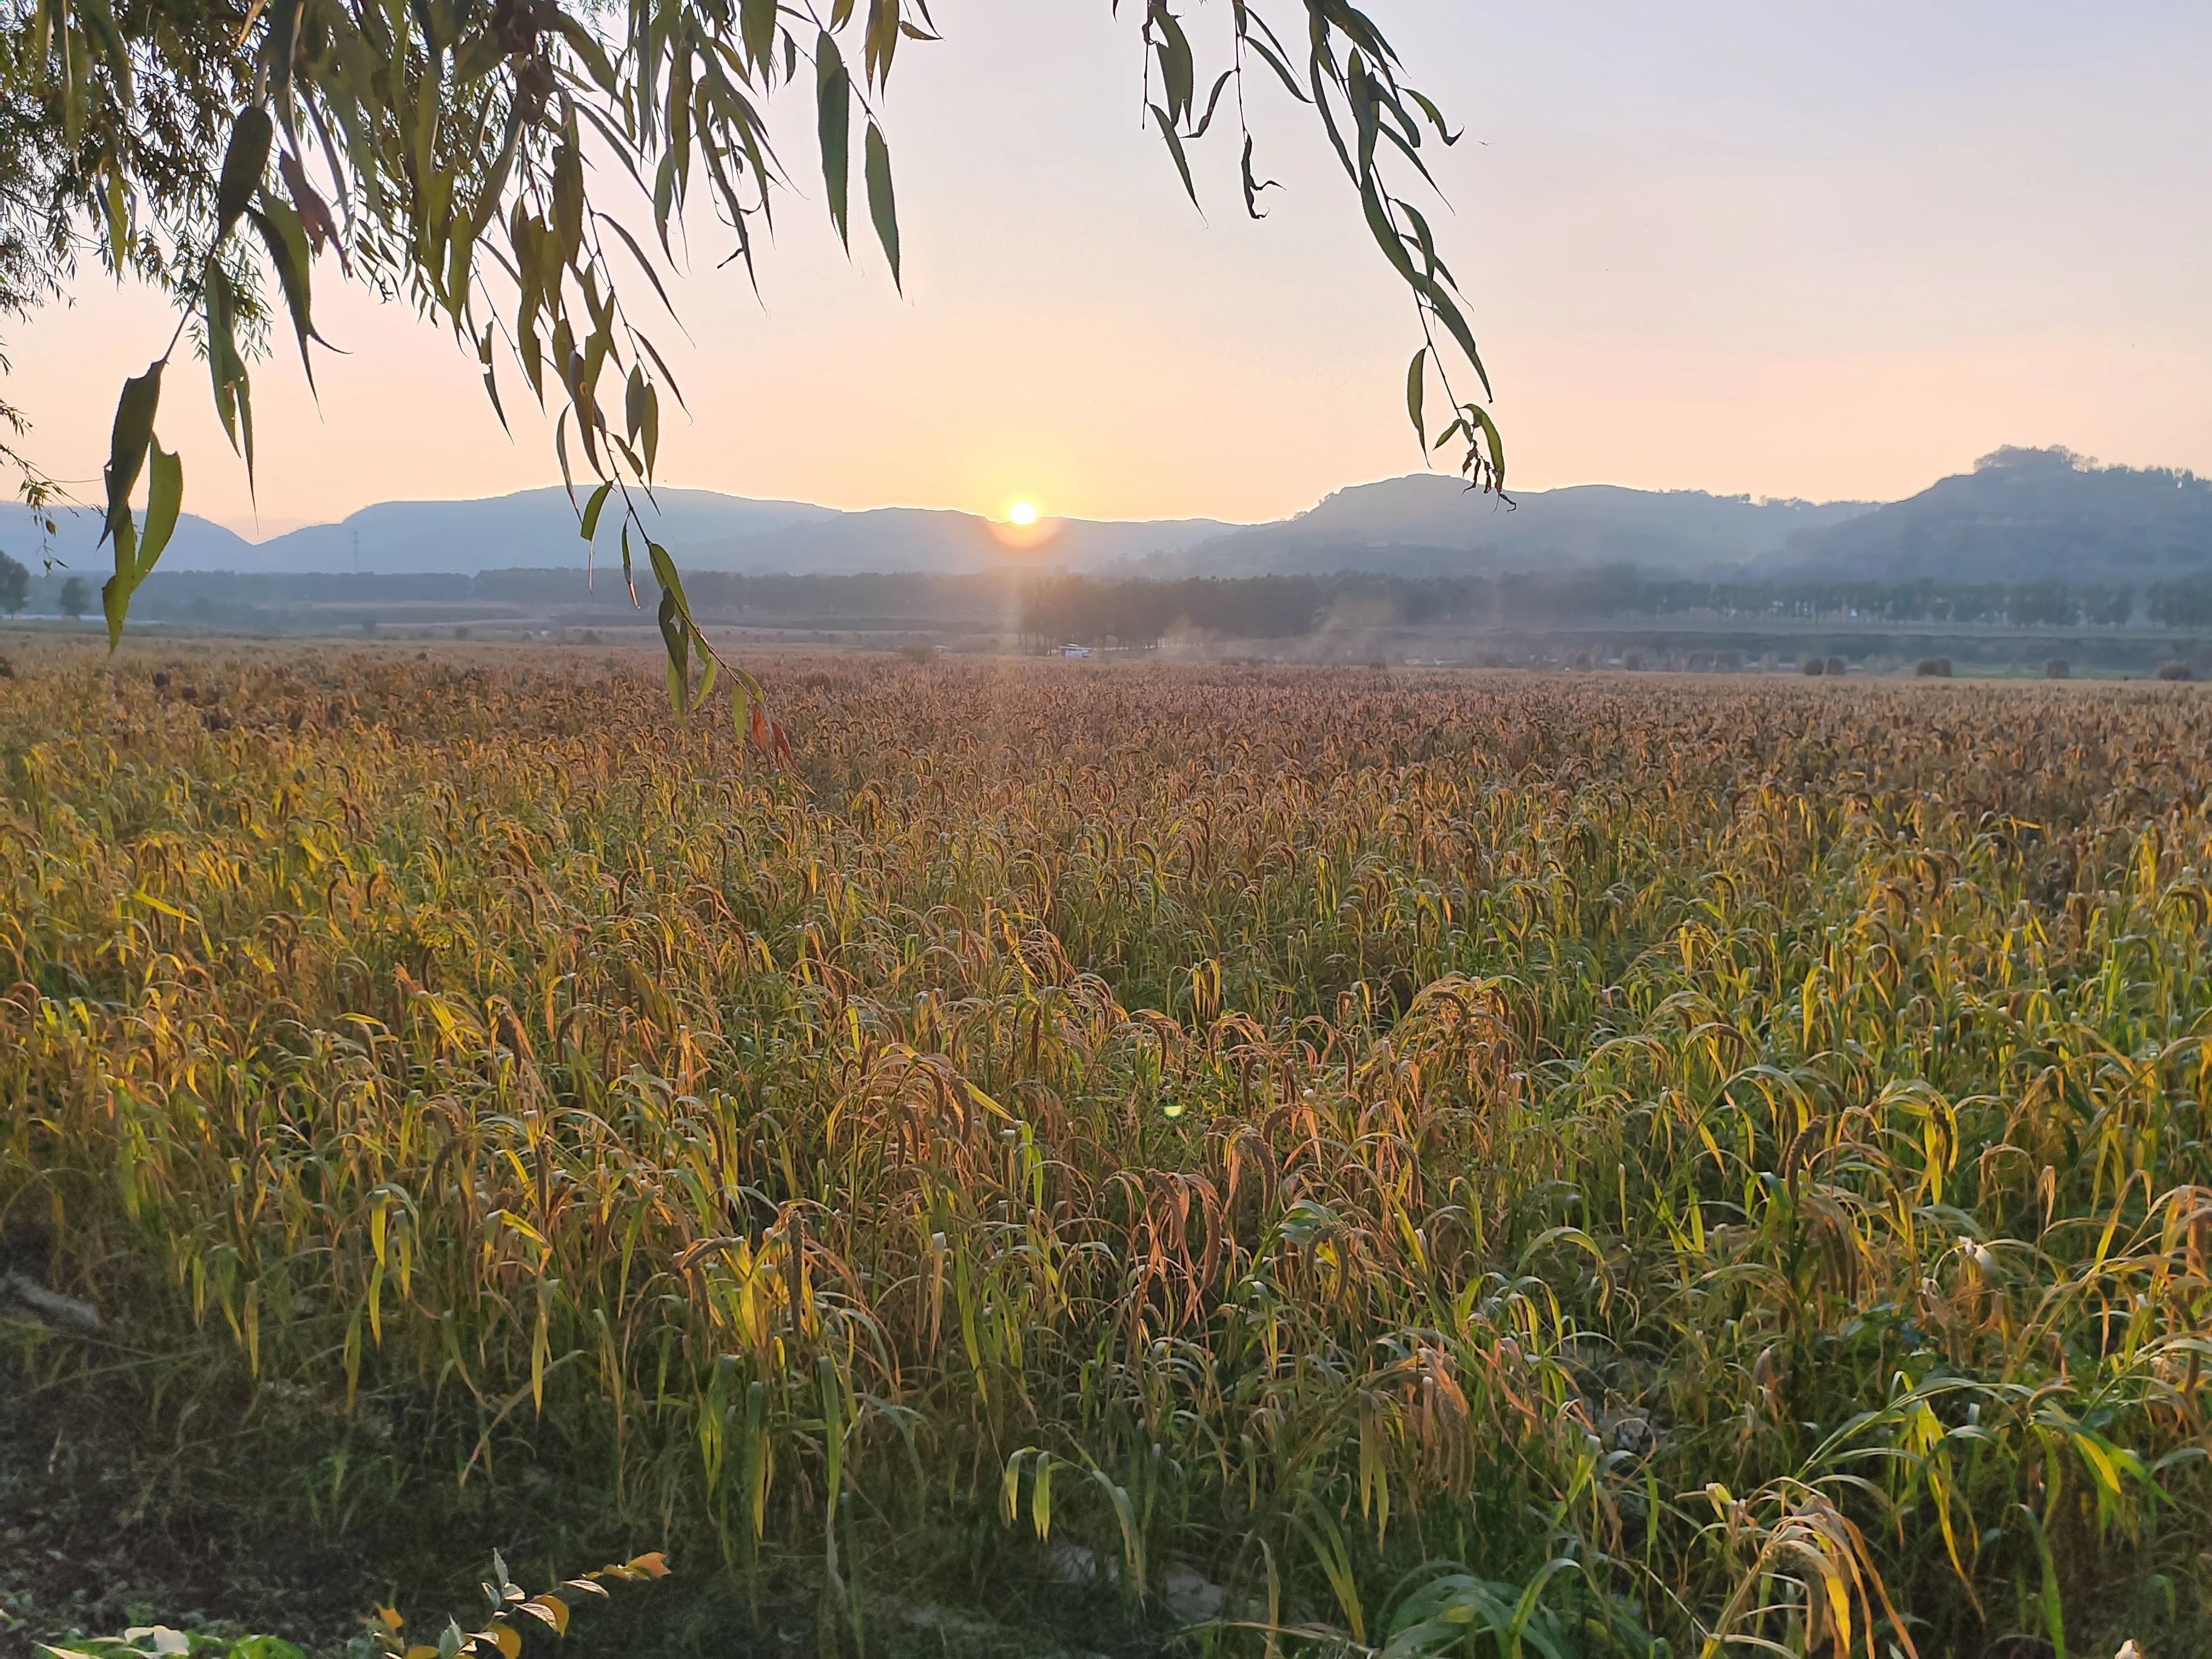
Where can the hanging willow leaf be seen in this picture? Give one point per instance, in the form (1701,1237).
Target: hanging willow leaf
(592,509)
(286,239)
(243,160)
(833,97)
(677,638)
(126,446)
(882,206)
(165,497)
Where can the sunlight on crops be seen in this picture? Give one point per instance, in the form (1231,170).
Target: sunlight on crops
(1446,1159)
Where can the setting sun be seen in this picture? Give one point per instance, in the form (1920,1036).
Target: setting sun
(1022,513)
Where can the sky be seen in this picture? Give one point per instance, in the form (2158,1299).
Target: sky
(1828,252)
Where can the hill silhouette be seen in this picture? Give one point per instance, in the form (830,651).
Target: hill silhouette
(2022,515)
(1430,524)
(704,529)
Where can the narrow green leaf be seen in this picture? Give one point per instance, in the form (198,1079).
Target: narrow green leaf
(1496,442)
(592,508)
(165,497)
(115,591)
(243,389)
(882,206)
(664,572)
(677,640)
(126,448)
(833,100)
(243,160)
(757,27)
(881,40)
(491,380)
(1174,141)
(1178,65)
(224,366)
(1414,392)
(585,46)
(285,238)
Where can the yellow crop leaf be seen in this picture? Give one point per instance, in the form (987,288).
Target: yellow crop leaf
(654,1565)
(389,1617)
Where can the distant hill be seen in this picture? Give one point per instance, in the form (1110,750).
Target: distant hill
(195,544)
(1428,524)
(2022,514)
(533,527)
(703,528)
(2025,515)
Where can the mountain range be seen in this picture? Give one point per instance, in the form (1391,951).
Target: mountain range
(2020,515)
(703,529)
(1430,525)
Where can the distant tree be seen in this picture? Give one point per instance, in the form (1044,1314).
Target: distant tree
(77,597)
(2057,669)
(15,586)
(2044,604)
(482,157)
(1937,668)
(1814,667)
(2175,671)
(2184,603)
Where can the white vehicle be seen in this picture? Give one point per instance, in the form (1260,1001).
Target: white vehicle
(1074,650)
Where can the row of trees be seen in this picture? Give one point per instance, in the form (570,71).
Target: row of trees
(1087,610)
(1091,611)
(75,600)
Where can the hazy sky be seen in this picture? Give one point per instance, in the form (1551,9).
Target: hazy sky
(1831,250)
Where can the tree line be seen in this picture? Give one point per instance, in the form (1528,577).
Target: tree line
(1054,609)
(1091,611)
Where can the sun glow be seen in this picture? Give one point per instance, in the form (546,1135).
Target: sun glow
(1023,513)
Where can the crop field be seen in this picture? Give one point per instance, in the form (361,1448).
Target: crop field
(1265,1161)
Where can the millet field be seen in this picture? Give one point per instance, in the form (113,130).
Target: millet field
(1079,1159)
